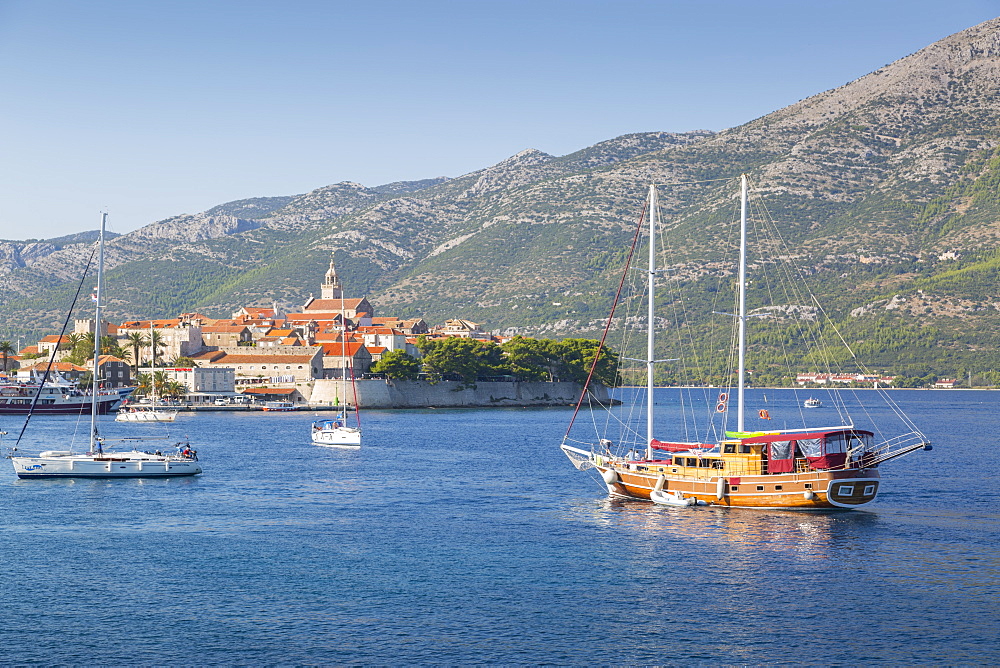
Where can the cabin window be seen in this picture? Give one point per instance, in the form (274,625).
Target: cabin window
(705,463)
(836,443)
(734,488)
(777,488)
(729,448)
(673,470)
(744,449)
(846,490)
(691,461)
(809,485)
(869,490)
(760,488)
(718,464)
(811,447)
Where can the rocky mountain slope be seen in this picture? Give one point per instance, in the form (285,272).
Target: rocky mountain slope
(887,186)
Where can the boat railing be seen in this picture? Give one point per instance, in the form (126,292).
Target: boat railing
(896,447)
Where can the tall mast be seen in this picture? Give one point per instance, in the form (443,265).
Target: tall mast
(343,349)
(743,304)
(94,439)
(650,359)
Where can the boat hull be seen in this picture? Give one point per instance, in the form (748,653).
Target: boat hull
(341,436)
(146,416)
(104,406)
(116,465)
(817,490)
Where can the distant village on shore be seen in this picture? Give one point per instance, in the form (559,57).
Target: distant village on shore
(258,351)
(261,353)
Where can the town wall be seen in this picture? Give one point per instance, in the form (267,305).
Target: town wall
(448,394)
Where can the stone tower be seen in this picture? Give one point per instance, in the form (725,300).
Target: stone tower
(331,284)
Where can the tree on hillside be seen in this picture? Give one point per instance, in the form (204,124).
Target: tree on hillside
(397,365)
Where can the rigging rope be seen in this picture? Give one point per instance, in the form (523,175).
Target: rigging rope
(48,368)
(607,326)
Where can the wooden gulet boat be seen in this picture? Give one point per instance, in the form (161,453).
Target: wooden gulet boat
(802,469)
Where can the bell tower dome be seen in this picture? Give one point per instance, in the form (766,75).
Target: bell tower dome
(332,288)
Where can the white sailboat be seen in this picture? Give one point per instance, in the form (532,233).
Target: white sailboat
(147,413)
(96,462)
(336,432)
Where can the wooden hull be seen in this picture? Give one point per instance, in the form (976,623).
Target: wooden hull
(814,490)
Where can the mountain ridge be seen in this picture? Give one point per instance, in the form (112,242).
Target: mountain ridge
(887,182)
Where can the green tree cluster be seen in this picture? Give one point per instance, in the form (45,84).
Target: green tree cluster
(467,360)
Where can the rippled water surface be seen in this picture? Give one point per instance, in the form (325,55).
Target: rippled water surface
(467,537)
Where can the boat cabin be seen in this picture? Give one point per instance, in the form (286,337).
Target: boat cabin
(767,453)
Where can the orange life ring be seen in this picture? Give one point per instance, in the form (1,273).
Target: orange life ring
(721,408)
(723,398)
(764,414)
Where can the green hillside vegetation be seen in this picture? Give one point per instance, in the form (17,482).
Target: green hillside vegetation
(885,193)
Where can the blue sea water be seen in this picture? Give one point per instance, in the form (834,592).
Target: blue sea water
(465,536)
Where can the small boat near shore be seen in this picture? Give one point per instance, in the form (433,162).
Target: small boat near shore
(279,406)
(56,396)
(812,402)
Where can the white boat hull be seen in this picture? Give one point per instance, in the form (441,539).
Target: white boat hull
(146,416)
(338,436)
(109,465)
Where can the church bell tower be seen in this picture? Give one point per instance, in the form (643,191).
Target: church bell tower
(331,284)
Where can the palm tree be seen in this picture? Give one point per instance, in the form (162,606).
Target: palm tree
(145,384)
(137,341)
(71,341)
(6,349)
(155,339)
(110,346)
(159,382)
(173,388)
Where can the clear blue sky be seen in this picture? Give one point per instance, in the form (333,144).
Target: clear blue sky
(156,108)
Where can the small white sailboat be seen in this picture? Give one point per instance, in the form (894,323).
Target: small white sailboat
(335,432)
(146,413)
(96,462)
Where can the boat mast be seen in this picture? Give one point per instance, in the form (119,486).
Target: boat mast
(152,367)
(343,353)
(650,359)
(95,441)
(742,305)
